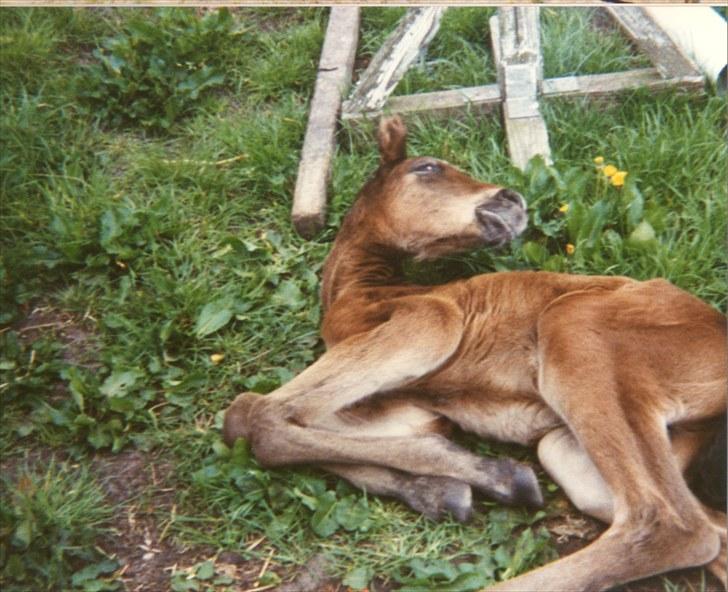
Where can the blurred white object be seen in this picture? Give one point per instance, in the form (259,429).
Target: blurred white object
(700,32)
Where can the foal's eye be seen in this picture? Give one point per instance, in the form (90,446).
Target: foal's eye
(426,168)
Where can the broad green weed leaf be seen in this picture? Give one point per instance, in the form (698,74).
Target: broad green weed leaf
(435,568)
(359,578)
(353,514)
(214,316)
(93,571)
(23,534)
(643,235)
(110,228)
(636,207)
(535,253)
(220,449)
(122,404)
(75,385)
(324,521)
(205,570)
(118,384)
(240,454)
(180,583)
(99,438)
(289,295)
(206,474)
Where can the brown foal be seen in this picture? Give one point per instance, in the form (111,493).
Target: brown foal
(614,381)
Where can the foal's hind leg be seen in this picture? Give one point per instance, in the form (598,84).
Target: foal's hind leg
(429,495)
(600,376)
(567,463)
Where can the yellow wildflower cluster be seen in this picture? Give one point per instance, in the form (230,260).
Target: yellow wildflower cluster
(611,172)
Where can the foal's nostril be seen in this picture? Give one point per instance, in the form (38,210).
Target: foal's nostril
(511,196)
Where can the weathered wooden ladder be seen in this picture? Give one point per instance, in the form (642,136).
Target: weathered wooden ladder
(515,36)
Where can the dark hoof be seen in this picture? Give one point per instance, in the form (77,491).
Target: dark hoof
(436,496)
(526,490)
(459,501)
(510,482)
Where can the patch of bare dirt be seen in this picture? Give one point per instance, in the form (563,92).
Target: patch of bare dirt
(141,484)
(76,333)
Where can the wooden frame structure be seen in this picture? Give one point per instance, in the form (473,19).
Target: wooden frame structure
(515,35)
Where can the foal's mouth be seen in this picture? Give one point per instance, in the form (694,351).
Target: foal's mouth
(502,218)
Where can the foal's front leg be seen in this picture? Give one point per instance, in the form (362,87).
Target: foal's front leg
(298,422)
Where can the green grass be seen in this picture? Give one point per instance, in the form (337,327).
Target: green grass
(175,245)
(53,521)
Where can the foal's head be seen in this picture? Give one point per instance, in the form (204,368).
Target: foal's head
(426,207)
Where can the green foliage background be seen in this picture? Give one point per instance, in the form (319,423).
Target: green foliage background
(147,164)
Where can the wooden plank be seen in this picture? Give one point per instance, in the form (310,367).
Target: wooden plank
(517,45)
(334,76)
(600,85)
(667,57)
(439,103)
(413,33)
(486,98)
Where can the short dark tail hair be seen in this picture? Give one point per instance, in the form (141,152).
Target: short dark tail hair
(707,473)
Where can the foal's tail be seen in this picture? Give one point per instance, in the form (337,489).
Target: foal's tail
(707,473)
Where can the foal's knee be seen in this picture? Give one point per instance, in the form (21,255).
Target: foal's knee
(239,417)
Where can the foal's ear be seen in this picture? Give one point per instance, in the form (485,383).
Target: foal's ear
(392,140)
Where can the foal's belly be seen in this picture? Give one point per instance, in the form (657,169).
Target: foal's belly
(522,421)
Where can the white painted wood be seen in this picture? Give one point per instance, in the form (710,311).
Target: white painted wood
(667,57)
(413,33)
(334,76)
(700,33)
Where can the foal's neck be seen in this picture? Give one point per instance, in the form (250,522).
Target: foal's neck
(356,264)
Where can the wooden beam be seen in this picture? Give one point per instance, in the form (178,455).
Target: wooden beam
(334,76)
(439,103)
(486,98)
(602,85)
(413,33)
(517,45)
(667,57)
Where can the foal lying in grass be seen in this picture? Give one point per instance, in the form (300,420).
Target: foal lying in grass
(615,381)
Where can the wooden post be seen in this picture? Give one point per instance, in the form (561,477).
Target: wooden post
(390,63)
(334,76)
(517,48)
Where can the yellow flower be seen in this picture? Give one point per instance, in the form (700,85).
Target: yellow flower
(564,208)
(618,178)
(570,249)
(217,358)
(609,170)
(599,160)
